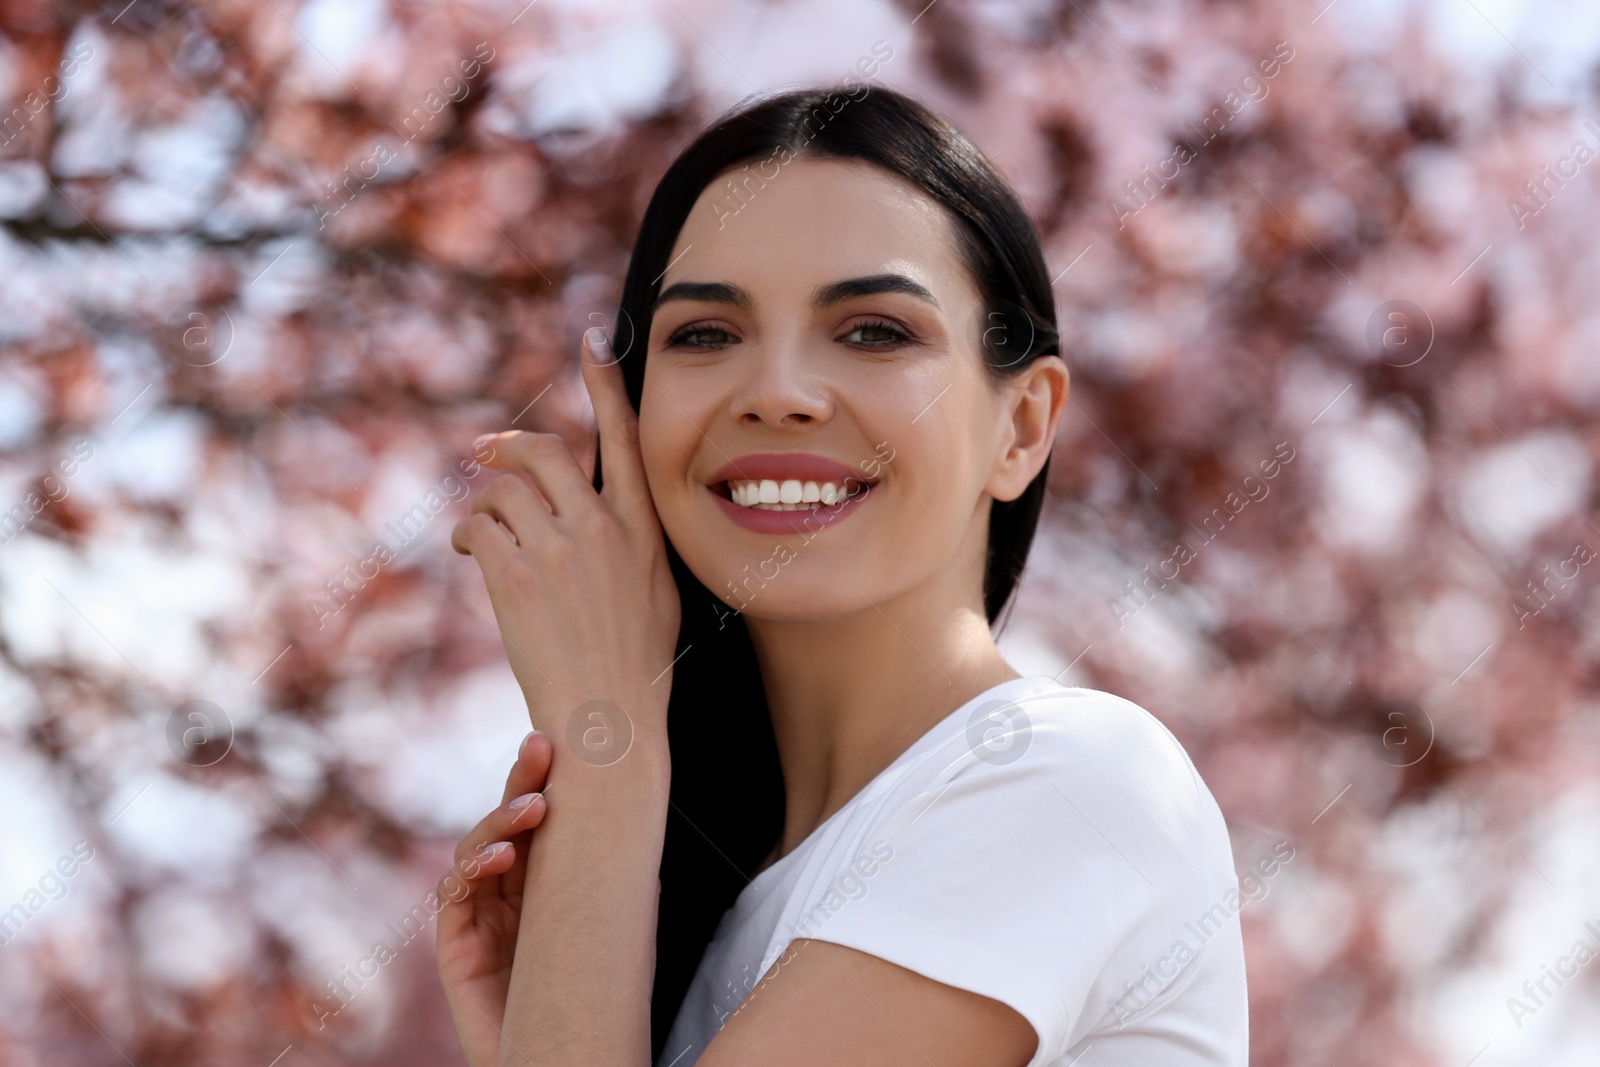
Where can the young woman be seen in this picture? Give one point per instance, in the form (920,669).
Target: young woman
(796,807)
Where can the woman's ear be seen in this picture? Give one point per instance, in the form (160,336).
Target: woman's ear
(1036,397)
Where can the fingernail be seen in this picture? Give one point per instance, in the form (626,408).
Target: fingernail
(481,440)
(599,344)
(523,748)
(521,802)
(490,851)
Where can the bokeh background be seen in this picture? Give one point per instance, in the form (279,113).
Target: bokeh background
(267,268)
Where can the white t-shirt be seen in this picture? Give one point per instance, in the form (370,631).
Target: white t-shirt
(1050,847)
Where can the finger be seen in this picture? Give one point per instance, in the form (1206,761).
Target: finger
(512,501)
(618,424)
(546,459)
(464,876)
(501,824)
(531,768)
(480,536)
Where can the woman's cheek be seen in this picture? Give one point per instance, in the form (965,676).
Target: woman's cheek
(657,450)
(667,455)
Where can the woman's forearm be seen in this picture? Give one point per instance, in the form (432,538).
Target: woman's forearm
(585,958)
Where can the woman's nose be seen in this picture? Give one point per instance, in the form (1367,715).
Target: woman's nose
(780,386)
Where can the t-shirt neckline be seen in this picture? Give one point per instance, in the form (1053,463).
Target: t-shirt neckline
(1001,690)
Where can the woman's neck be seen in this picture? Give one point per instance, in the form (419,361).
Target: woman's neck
(850,694)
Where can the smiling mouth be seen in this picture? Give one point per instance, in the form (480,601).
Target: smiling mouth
(771,494)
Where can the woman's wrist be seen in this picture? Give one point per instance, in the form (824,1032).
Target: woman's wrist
(634,787)
(603,740)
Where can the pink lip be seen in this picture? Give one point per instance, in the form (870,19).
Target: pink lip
(780,466)
(782,522)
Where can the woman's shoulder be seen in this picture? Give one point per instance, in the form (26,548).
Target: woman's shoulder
(1082,739)
(1042,757)
(1054,842)
(1089,712)
(1058,790)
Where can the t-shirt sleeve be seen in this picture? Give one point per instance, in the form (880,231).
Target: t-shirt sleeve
(1039,873)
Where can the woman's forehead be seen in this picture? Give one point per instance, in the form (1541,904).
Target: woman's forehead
(814,223)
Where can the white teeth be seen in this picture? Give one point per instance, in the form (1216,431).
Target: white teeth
(768,494)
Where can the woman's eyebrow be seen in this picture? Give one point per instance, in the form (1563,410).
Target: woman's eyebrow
(706,292)
(869,285)
(727,293)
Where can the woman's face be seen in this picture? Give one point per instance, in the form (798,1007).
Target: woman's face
(772,360)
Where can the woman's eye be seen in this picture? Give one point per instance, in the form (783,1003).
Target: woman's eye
(695,337)
(877,335)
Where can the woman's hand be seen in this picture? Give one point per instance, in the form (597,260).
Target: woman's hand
(482,909)
(580,584)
